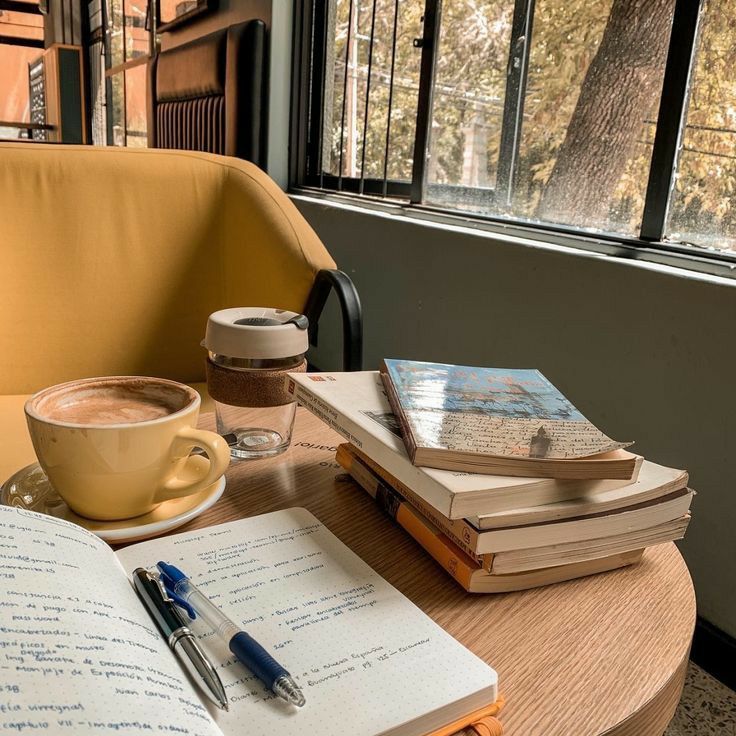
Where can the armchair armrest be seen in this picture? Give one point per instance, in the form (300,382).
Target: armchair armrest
(325,281)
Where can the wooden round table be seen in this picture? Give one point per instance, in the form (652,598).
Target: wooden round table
(601,655)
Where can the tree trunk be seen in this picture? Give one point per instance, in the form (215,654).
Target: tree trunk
(620,90)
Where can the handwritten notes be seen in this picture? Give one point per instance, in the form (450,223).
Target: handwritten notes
(78,654)
(367,659)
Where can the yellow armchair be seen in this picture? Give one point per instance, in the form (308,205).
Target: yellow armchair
(113,258)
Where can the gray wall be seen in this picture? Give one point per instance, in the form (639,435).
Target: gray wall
(645,352)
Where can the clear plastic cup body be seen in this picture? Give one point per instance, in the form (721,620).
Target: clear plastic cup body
(254,432)
(254,413)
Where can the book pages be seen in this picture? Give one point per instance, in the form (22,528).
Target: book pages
(78,652)
(654,482)
(365,657)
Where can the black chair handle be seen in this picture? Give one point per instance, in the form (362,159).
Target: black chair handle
(326,281)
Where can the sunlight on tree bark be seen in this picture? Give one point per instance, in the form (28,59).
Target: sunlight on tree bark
(620,91)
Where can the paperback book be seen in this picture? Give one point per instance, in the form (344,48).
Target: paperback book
(497,420)
(355,405)
(532,532)
(470,572)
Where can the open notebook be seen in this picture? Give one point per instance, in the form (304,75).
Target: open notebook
(79,653)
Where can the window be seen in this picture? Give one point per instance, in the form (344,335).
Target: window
(173,13)
(128,41)
(21,42)
(136,80)
(704,203)
(616,118)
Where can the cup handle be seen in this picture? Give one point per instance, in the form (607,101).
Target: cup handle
(218,459)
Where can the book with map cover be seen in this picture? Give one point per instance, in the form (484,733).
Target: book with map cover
(497,420)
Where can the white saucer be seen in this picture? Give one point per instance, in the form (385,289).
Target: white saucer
(29,488)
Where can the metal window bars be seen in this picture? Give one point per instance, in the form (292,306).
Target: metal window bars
(314,23)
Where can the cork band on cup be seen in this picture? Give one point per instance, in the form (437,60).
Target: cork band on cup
(254,389)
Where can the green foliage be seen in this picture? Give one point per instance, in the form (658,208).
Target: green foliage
(469,96)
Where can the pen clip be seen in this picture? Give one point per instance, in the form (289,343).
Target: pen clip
(168,586)
(156,578)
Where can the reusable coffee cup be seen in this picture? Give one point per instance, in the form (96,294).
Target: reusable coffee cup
(250,350)
(116,447)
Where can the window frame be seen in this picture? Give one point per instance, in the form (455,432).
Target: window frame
(21,6)
(120,69)
(306,177)
(30,8)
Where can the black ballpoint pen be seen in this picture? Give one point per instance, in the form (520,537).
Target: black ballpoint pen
(177,635)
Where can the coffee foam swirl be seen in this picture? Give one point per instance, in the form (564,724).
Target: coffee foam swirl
(109,402)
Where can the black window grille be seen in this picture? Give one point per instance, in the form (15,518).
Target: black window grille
(356,79)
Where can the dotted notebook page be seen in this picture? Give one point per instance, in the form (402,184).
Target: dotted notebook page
(366,658)
(78,653)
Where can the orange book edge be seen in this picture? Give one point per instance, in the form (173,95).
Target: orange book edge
(483,721)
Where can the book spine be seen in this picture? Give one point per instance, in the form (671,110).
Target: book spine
(406,434)
(458,530)
(438,497)
(440,548)
(462,534)
(322,411)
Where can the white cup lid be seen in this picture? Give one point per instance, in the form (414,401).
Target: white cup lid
(256,332)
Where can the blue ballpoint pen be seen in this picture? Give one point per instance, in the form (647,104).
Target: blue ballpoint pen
(246,649)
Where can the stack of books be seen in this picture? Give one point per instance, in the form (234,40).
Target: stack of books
(495,473)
